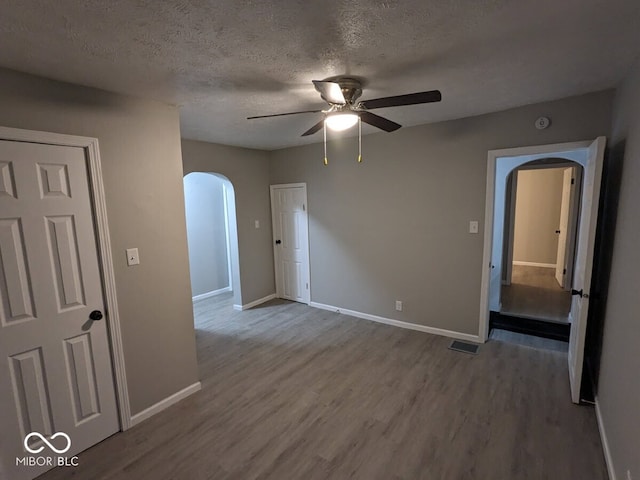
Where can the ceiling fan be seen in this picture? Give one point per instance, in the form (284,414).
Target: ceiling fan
(342,93)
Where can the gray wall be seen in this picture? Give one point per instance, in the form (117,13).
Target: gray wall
(538,200)
(248,171)
(619,381)
(395,226)
(206,233)
(141,163)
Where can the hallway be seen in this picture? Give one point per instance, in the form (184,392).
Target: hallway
(535,293)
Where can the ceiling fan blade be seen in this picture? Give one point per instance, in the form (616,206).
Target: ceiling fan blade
(330,91)
(283,114)
(313,129)
(379,122)
(400,100)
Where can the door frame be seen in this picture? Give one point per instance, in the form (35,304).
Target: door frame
(302,185)
(534,152)
(572,221)
(508,275)
(105,257)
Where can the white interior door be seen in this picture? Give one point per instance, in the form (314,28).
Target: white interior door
(584,262)
(55,364)
(564,226)
(291,241)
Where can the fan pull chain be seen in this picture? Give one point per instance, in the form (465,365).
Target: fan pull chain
(324,127)
(359,139)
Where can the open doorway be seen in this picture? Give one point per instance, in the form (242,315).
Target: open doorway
(213,244)
(500,163)
(541,212)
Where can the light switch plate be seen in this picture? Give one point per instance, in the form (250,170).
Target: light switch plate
(133,258)
(257,223)
(473,226)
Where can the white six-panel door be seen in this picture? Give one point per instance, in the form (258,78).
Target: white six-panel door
(291,241)
(55,364)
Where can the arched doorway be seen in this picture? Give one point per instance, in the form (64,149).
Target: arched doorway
(540,220)
(212,236)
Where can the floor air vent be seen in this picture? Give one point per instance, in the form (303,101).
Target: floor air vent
(464,347)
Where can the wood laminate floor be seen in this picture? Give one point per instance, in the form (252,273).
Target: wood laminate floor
(293,392)
(534,293)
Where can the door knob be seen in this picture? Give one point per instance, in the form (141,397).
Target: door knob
(580,293)
(278,242)
(557,231)
(95,315)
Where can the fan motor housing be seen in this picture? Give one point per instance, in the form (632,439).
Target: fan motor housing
(351,88)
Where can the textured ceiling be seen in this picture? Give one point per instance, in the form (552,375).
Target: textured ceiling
(224,60)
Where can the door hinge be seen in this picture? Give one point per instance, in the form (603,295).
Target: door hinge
(307,286)
(564,271)
(304,209)
(573,181)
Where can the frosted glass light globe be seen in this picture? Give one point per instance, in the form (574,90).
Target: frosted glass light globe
(341,121)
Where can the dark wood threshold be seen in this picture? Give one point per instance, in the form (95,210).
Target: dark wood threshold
(530,326)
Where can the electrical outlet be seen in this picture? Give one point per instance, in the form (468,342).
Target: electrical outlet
(257,223)
(473,226)
(398,305)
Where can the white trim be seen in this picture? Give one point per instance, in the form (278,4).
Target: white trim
(483,331)
(512,227)
(164,404)
(290,185)
(534,264)
(255,303)
(111,301)
(104,249)
(543,150)
(492,155)
(605,443)
(210,294)
(227,235)
(398,323)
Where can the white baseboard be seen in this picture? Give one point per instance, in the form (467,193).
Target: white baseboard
(255,303)
(605,443)
(399,323)
(534,264)
(166,403)
(212,293)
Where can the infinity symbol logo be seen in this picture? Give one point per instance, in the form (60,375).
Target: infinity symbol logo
(41,437)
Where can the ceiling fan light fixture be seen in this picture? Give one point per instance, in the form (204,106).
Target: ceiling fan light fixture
(341,121)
